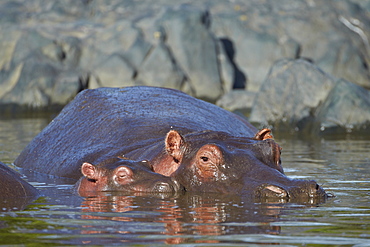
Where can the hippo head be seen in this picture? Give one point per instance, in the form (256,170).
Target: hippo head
(213,161)
(124,175)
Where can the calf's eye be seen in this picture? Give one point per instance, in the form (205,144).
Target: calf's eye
(205,159)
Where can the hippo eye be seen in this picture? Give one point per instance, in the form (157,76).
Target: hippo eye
(205,159)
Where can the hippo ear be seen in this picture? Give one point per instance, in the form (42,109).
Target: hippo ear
(174,145)
(89,171)
(123,175)
(263,135)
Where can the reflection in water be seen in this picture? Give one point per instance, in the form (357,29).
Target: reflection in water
(189,214)
(59,217)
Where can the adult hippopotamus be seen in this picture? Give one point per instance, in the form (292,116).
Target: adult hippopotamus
(16,193)
(117,174)
(203,146)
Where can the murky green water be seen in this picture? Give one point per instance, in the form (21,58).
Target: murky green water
(341,166)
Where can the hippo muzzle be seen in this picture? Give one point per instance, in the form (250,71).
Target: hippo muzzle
(299,191)
(173,186)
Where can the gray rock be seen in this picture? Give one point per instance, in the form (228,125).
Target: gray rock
(290,95)
(29,43)
(50,86)
(346,107)
(205,48)
(36,71)
(345,60)
(195,49)
(103,42)
(255,52)
(67,85)
(161,59)
(138,52)
(333,36)
(237,100)
(114,71)
(298,95)
(228,69)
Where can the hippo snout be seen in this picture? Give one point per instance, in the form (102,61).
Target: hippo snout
(315,190)
(168,187)
(299,190)
(308,189)
(162,187)
(177,186)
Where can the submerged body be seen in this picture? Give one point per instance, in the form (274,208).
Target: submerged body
(16,193)
(204,147)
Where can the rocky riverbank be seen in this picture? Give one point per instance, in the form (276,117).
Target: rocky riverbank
(300,65)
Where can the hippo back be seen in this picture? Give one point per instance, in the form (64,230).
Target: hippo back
(101,123)
(16,193)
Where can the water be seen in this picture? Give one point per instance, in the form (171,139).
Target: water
(340,165)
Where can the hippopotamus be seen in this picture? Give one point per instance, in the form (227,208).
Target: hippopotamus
(204,147)
(16,193)
(123,175)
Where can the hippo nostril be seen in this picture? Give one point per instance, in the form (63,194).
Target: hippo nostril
(314,189)
(163,187)
(177,186)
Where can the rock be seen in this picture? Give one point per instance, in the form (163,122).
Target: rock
(138,52)
(290,95)
(255,52)
(229,71)
(205,48)
(49,87)
(298,95)
(114,71)
(161,59)
(195,49)
(38,72)
(334,35)
(103,42)
(66,87)
(331,35)
(237,100)
(346,107)
(12,12)
(30,89)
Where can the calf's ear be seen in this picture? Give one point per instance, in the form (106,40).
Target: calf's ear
(263,134)
(89,171)
(175,145)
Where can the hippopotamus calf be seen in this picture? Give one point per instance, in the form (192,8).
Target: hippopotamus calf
(204,147)
(123,175)
(15,192)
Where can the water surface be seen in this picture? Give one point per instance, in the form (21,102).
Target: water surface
(341,165)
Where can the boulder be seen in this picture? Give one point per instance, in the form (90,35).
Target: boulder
(114,71)
(291,94)
(237,100)
(204,48)
(298,95)
(37,72)
(50,86)
(161,59)
(347,107)
(194,48)
(255,51)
